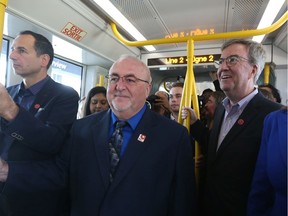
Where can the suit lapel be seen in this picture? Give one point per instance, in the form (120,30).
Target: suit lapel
(100,131)
(241,123)
(44,95)
(213,141)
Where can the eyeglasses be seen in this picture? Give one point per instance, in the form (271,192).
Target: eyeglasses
(230,60)
(128,79)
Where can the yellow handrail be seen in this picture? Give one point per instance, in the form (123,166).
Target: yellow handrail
(3,4)
(246,33)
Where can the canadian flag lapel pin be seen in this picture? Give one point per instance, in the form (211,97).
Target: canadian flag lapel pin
(141,137)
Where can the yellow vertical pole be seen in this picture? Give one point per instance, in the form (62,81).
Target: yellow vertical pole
(3,4)
(101,80)
(190,94)
(266,73)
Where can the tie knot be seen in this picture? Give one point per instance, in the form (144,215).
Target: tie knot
(120,124)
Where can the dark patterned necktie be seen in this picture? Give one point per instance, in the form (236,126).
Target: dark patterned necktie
(115,145)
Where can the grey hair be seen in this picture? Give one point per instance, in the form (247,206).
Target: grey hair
(256,53)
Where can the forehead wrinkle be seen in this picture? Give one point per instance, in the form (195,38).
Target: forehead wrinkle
(117,74)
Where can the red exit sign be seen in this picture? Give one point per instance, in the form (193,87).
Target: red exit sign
(73,31)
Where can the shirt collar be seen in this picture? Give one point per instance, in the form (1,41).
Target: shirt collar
(133,121)
(241,104)
(172,117)
(34,89)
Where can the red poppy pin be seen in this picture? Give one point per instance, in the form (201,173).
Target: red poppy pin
(37,106)
(240,122)
(141,137)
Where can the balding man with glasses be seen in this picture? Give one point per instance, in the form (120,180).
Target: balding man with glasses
(127,161)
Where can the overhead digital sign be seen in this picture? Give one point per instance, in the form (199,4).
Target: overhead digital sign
(182,60)
(191,33)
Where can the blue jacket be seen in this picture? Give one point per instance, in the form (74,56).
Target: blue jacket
(268,195)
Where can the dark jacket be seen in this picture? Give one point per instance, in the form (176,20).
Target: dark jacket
(155,176)
(230,169)
(37,135)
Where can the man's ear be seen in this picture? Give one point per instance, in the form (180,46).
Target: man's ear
(254,70)
(45,58)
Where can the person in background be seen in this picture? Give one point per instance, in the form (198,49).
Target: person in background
(273,90)
(213,76)
(151,102)
(211,104)
(96,101)
(153,173)
(202,99)
(267,94)
(206,94)
(175,95)
(235,137)
(35,118)
(160,103)
(268,195)
(163,101)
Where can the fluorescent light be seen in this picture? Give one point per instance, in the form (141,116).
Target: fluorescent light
(268,17)
(113,12)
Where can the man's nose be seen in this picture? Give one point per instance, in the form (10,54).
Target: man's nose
(12,55)
(223,65)
(121,84)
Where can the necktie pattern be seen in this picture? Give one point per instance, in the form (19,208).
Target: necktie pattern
(115,145)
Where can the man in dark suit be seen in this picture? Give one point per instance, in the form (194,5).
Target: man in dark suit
(155,174)
(35,117)
(236,134)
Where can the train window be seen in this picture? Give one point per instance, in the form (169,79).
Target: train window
(67,73)
(3,61)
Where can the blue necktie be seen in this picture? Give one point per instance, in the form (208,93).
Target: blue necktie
(115,145)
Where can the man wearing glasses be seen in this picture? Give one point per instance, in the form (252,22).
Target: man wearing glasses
(236,135)
(152,174)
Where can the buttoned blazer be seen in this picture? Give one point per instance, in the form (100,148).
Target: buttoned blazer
(230,168)
(155,176)
(38,135)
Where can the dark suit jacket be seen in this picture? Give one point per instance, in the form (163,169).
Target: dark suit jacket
(155,177)
(38,135)
(230,169)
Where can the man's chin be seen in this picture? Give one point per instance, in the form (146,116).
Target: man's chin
(120,107)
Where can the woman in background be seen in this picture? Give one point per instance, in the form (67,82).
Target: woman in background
(95,101)
(268,195)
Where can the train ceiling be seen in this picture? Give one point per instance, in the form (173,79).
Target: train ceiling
(161,18)
(153,18)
